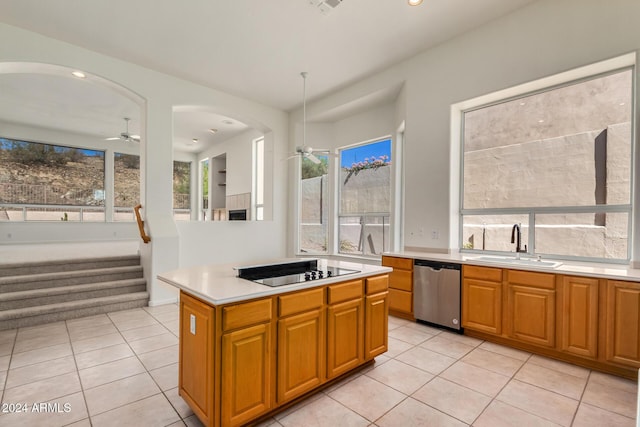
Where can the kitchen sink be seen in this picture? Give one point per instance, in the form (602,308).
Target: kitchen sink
(529,262)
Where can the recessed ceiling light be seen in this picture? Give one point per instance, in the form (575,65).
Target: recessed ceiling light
(212,130)
(415,2)
(195,140)
(522,103)
(622,103)
(227,122)
(541,121)
(78,74)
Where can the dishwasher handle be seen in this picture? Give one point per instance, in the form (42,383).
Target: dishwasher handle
(436,265)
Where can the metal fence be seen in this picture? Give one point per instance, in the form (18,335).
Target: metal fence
(38,194)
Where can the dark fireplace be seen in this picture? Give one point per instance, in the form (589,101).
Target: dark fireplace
(238,215)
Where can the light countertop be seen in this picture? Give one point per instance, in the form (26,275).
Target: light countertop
(588,269)
(218,284)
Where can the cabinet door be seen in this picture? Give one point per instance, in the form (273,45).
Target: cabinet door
(401,302)
(345,341)
(246,374)
(482,305)
(300,353)
(195,377)
(376,315)
(623,323)
(579,316)
(531,315)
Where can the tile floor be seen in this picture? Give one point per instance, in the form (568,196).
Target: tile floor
(121,369)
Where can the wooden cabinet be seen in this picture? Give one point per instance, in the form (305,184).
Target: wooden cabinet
(376,313)
(622,323)
(247,354)
(400,286)
(482,299)
(196,349)
(577,329)
(531,307)
(301,338)
(345,327)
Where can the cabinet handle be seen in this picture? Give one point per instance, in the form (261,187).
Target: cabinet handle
(192,325)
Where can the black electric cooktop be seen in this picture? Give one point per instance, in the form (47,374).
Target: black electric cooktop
(291,273)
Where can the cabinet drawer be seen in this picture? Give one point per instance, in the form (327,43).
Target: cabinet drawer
(528,278)
(401,279)
(246,314)
(402,263)
(483,273)
(377,284)
(344,291)
(401,301)
(300,302)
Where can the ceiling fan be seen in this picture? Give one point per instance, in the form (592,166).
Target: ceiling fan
(304,151)
(125,136)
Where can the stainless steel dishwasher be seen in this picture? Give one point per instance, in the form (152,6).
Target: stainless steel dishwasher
(436,293)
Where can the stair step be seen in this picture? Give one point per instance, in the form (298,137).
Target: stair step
(44,296)
(30,316)
(56,266)
(66,278)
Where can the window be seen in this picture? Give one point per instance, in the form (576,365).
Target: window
(181,190)
(558,162)
(126,185)
(46,182)
(258,178)
(204,189)
(364,198)
(314,212)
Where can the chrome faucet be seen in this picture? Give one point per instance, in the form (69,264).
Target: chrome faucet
(516,237)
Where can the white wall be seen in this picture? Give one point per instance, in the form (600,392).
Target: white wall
(544,38)
(157,94)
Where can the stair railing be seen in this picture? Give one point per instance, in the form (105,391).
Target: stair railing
(145,237)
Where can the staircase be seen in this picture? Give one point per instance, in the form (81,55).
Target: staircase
(49,291)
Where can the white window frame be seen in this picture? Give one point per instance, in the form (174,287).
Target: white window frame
(257,185)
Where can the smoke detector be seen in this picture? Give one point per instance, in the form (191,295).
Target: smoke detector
(324,6)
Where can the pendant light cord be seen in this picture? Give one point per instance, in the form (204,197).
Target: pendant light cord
(304,108)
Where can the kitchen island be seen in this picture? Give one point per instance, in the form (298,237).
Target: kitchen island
(248,350)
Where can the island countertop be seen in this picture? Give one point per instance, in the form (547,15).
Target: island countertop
(218,284)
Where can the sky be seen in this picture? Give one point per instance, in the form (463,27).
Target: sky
(358,154)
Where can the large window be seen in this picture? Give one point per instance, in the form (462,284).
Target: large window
(557,162)
(364,204)
(181,190)
(126,185)
(314,211)
(46,182)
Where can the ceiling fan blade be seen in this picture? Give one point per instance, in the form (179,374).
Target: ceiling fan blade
(115,138)
(313,158)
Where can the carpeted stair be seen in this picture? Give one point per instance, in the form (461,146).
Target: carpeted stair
(44,292)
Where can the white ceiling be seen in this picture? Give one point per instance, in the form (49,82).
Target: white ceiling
(255,49)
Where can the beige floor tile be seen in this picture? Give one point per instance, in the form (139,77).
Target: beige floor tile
(505,351)
(90,321)
(400,376)
(613,381)
(59,412)
(479,379)
(119,393)
(44,390)
(157,342)
(40,342)
(491,361)
(39,331)
(40,371)
(396,347)
(125,325)
(177,424)
(426,360)
(543,403)
(590,416)
(414,413)
(464,339)
(78,334)
(552,380)
(31,357)
(4,362)
(178,403)
(159,358)
(96,343)
(500,414)
(193,421)
(173,327)
(367,397)
(124,315)
(299,405)
(6,348)
(425,328)
(410,335)
(444,345)
(152,411)
(8,335)
(103,355)
(165,308)
(556,365)
(323,412)
(396,322)
(143,332)
(108,372)
(612,396)
(166,377)
(453,399)
(167,317)
(81,423)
